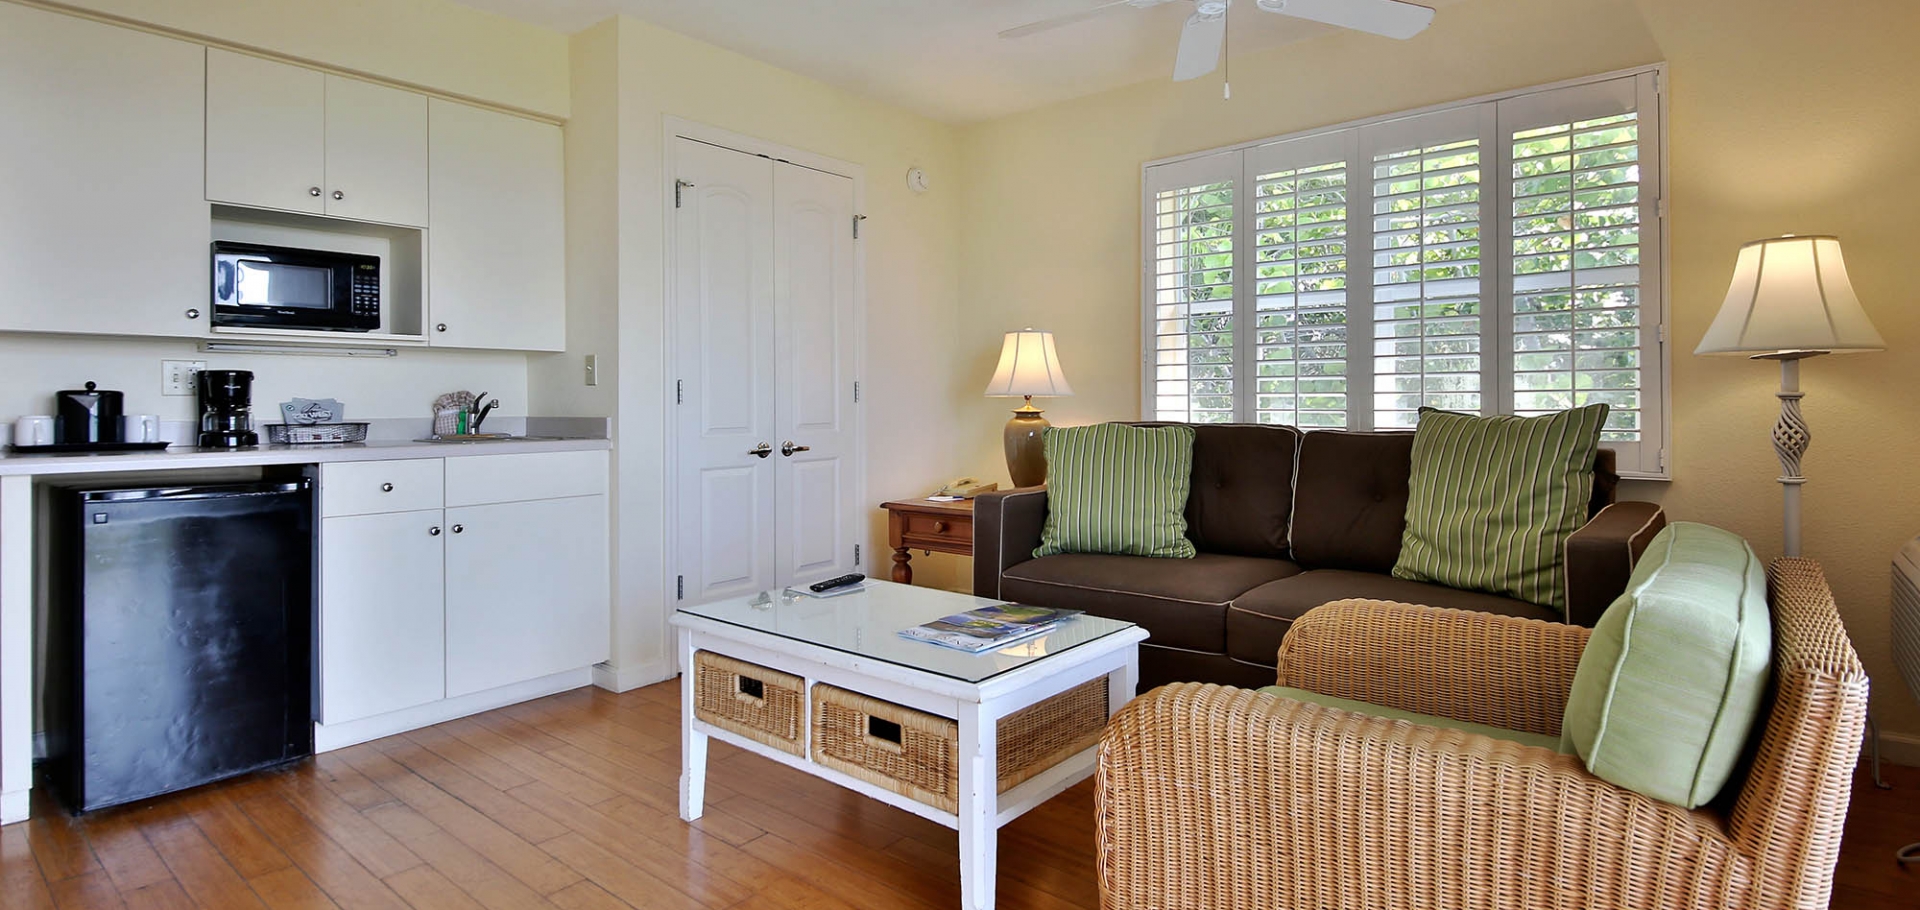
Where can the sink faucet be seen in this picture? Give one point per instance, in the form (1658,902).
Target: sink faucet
(481,410)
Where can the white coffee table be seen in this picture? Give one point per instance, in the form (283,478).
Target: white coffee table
(850,643)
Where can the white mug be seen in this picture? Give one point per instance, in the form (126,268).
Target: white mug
(140,428)
(35,430)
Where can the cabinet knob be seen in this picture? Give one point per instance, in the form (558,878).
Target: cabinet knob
(433,532)
(339,195)
(440,328)
(386,488)
(193,313)
(458,528)
(313,191)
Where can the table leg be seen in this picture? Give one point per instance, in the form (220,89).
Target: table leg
(1123,682)
(979,804)
(902,572)
(693,744)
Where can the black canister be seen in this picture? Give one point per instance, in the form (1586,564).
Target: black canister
(87,415)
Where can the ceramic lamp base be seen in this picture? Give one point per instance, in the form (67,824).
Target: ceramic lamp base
(1026,452)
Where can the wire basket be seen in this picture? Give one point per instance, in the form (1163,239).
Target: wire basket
(296,434)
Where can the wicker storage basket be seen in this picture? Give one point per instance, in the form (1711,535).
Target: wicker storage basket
(916,754)
(766,706)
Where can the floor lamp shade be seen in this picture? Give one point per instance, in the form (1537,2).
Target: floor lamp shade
(1790,299)
(1029,366)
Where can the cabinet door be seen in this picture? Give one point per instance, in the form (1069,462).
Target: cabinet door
(101,156)
(527,591)
(266,133)
(382,613)
(376,153)
(496,263)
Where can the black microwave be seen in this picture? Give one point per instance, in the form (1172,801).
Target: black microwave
(286,288)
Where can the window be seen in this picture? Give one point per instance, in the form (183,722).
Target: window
(1495,256)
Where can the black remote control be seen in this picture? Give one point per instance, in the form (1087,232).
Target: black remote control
(841,582)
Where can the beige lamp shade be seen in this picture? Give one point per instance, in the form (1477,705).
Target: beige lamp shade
(1028,366)
(1790,296)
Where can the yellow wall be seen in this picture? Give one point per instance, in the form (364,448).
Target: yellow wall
(1785,117)
(433,44)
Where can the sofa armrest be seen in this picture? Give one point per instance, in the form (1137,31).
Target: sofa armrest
(1006,529)
(1601,555)
(1213,797)
(1482,668)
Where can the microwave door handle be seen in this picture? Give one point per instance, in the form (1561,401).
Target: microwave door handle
(224,282)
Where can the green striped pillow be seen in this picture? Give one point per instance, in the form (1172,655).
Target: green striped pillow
(1492,500)
(1113,488)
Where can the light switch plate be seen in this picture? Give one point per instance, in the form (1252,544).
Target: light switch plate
(593,369)
(176,376)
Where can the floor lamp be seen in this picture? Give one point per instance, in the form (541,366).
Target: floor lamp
(1789,300)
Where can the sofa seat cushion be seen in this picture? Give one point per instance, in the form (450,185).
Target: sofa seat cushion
(1261,617)
(1182,603)
(1549,743)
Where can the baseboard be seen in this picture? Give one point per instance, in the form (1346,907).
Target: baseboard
(14,806)
(1896,748)
(633,676)
(328,737)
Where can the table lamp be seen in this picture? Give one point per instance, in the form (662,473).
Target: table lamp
(1029,366)
(1790,299)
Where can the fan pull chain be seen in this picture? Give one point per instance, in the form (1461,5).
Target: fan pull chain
(1226,52)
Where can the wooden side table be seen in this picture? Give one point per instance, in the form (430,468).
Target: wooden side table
(916,524)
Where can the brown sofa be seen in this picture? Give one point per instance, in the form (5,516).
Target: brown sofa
(1284,522)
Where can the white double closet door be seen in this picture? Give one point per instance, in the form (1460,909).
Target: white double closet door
(764,334)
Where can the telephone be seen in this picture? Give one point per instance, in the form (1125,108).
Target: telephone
(966,488)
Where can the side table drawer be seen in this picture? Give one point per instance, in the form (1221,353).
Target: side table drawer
(951,529)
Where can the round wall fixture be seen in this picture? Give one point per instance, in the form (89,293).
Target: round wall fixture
(917,180)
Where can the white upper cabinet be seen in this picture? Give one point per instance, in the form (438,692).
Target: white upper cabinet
(103,217)
(285,137)
(496,257)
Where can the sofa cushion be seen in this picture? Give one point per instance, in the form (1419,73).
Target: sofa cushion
(1549,743)
(1181,603)
(1242,493)
(1350,507)
(1261,617)
(1492,500)
(1112,488)
(1672,680)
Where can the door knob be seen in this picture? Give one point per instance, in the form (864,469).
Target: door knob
(788,448)
(761,451)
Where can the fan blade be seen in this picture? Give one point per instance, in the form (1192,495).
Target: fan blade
(1390,18)
(1199,47)
(1068,19)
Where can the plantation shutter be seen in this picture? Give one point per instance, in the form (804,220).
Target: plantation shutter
(1192,269)
(1581,259)
(1300,334)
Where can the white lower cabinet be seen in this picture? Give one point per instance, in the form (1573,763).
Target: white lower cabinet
(423,609)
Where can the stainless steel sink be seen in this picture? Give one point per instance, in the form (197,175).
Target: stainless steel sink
(489,437)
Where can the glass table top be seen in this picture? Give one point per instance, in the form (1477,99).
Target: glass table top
(868,623)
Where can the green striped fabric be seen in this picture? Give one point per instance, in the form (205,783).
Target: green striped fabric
(1492,500)
(1113,488)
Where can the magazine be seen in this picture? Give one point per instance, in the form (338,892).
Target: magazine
(988,627)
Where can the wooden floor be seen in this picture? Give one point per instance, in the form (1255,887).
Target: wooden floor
(569,802)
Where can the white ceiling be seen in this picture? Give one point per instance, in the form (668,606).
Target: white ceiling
(941,58)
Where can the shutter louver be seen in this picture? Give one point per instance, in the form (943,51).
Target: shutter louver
(1426,282)
(1300,297)
(1576,270)
(1193,368)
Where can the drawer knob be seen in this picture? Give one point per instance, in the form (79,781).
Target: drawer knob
(386,488)
(940,527)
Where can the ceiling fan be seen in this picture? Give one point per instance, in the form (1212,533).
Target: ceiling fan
(1206,30)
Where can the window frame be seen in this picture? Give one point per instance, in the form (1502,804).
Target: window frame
(1494,114)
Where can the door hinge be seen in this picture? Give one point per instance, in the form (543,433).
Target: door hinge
(678,186)
(680,587)
(856,554)
(856,225)
(1663,459)
(856,392)
(1663,333)
(679,391)
(1660,208)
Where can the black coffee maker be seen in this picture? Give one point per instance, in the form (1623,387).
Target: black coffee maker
(226,409)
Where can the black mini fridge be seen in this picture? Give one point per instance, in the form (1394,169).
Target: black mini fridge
(179,636)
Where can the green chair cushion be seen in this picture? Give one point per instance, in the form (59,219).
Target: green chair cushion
(1492,500)
(1549,743)
(1672,681)
(1113,488)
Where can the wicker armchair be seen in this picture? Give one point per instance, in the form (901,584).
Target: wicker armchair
(1214,797)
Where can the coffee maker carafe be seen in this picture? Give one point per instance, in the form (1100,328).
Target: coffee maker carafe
(226,409)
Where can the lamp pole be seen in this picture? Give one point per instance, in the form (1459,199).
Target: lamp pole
(1790,440)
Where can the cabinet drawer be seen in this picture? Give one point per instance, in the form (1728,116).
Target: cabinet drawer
(366,487)
(480,479)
